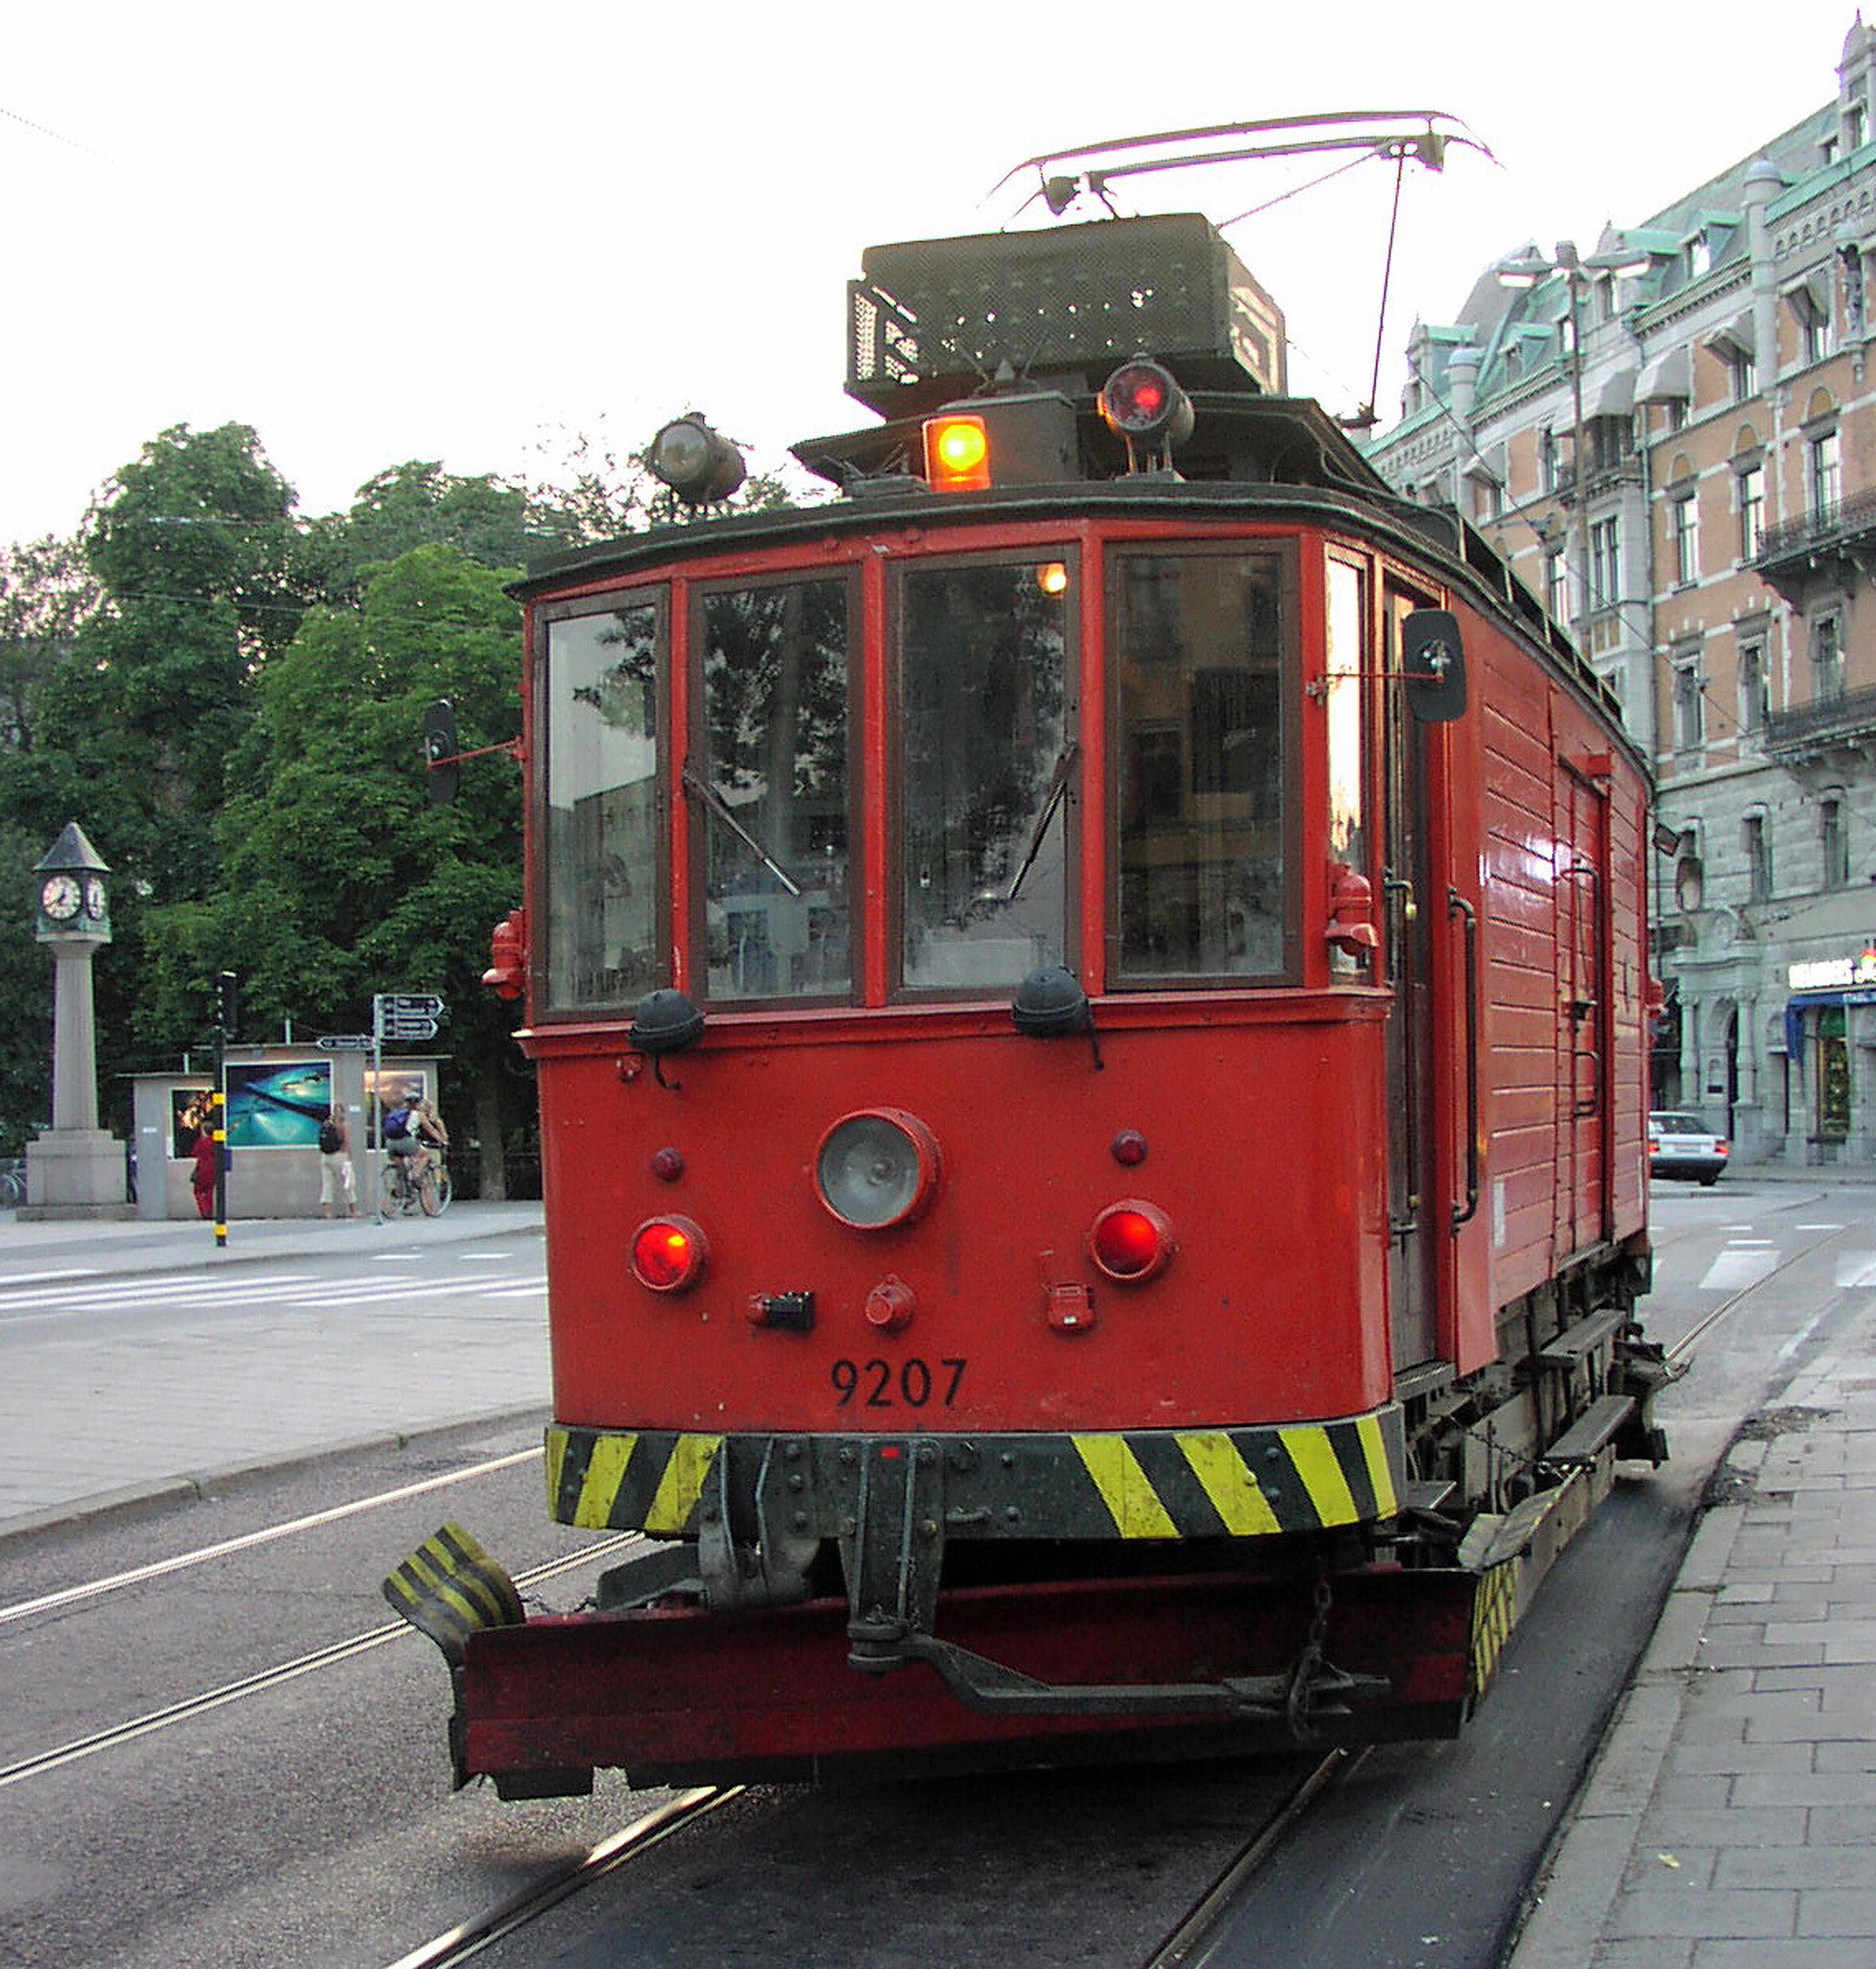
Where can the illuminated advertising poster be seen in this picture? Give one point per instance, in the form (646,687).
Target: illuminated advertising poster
(277,1105)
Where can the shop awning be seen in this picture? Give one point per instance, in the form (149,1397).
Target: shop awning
(1801,1002)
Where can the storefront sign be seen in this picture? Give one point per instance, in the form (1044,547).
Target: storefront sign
(1833,974)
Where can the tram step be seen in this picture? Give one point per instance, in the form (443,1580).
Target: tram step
(1592,1433)
(1426,1495)
(1568,1349)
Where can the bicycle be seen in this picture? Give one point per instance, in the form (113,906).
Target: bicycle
(402,1198)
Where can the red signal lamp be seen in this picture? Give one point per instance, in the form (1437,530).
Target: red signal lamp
(1144,403)
(668,1254)
(1131,1241)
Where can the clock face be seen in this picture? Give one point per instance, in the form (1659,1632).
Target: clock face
(94,898)
(60,897)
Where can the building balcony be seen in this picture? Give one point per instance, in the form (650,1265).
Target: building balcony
(1838,724)
(1838,540)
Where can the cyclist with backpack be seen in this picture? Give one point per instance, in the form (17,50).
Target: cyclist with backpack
(335,1180)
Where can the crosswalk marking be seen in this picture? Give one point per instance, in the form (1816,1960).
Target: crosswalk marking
(1732,1270)
(228,1295)
(1855,1268)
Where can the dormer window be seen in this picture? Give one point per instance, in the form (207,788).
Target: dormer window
(1700,256)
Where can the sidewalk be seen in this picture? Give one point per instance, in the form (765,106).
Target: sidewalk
(261,1358)
(1728,1820)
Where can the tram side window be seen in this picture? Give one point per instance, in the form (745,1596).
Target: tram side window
(775,828)
(601,819)
(987,765)
(1196,653)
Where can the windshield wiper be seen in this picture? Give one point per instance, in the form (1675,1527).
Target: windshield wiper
(1065,765)
(712,802)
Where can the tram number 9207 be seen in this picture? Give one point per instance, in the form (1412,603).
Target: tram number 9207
(915,1385)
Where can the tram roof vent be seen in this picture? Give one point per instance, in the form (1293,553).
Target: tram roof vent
(929,320)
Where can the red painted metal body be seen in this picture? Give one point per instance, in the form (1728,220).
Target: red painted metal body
(1397,1158)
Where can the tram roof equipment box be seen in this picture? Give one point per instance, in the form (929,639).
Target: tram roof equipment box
(929,320)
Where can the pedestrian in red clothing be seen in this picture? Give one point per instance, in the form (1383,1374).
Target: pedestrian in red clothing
(203,1178)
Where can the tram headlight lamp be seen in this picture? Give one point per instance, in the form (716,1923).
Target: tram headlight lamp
(876,1168)
(1131,1241)
(698,464)
(668,1254)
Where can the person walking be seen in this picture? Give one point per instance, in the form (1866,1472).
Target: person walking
(203,1179)
(335,1177)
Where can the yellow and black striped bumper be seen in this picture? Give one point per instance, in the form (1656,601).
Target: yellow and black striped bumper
(1170,1485)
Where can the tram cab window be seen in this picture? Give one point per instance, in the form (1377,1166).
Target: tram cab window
(1196,658)
(601,824)
(773,806)
(987,770)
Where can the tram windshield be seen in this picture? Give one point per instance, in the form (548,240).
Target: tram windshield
(986,761)
(774,789)
(1196,657)
(601,864)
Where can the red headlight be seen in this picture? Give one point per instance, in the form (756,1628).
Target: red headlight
(668,1254)
(1131,1241)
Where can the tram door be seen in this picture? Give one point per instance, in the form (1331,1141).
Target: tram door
(1584,1120)
(1414,909)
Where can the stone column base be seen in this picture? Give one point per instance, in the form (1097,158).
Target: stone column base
(75,1173)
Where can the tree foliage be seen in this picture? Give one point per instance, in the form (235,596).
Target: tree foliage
(229,699)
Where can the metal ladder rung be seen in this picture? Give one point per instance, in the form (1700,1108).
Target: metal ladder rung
(1569,1348)
(1590,1435)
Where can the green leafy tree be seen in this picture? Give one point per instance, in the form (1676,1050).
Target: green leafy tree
(46,593)
(340,879)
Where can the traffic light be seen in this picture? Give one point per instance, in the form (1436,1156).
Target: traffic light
(228,1003)
(439,749)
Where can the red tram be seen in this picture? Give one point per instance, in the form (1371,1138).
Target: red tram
(1089,998)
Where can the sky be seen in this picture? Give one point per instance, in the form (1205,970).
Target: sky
(488,235)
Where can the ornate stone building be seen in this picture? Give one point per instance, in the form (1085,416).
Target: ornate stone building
(1673,438)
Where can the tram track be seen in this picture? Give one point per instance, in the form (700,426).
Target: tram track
(1187,1944)
(42,1762)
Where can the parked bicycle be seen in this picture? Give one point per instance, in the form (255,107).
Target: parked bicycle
(430,1193)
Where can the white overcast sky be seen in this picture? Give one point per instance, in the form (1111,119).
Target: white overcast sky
(473,232)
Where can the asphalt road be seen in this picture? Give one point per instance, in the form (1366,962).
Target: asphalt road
(312,1823)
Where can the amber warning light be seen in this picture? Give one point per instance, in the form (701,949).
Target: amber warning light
(956,453)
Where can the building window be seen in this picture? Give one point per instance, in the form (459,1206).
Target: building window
(1826,660)
(1700,256)
(1752,513)
(1677,415)
(1854,127)
(1689,724)
(1549,470)
(1557,594)
(1757,842)
(1819,334)
(1834,837)
(1826,475)
(1745,375)
(1686,540)
(1755,700)
(1605,564)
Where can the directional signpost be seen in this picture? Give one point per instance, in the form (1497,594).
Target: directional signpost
(400,1016)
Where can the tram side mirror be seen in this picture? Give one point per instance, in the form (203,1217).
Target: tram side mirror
(439,753)
(1432,661)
